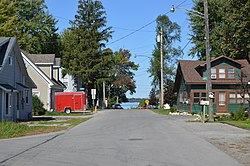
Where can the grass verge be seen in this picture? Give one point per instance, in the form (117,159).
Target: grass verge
(161,111)
(11,129)
(245,124)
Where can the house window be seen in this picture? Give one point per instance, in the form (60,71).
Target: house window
(26,96)
(232,98)
(10,60)
(246,98)
(222,99)
(196,97)
(7,103)
(17,100)
(222,73)
(203,96)
(213,73)
(239,98)
(36,94)
(230,73)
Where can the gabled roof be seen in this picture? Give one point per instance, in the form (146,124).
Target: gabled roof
(189,71)
(7,44)
(42,58)
(51,82)
(4,42)
(222,57)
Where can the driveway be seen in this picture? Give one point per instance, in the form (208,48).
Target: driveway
(121,138)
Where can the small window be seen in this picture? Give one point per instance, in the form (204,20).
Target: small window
(10,60)
(246,98)
(232,98)
(203,96)
(7,103)
(196,97)
(27,96)
(18,100)
(222,73)
(36,94)
(213,73)
(222,99)
(231,73)
(239,98)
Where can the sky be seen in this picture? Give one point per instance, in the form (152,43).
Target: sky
(126,17)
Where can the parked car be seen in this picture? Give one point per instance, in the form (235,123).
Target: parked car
(117,106)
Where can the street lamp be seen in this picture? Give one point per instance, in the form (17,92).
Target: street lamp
(208,63)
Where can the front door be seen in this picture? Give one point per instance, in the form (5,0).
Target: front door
(221,104)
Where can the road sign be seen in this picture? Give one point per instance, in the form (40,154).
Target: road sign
(93,93)
(147,102)
(202,102)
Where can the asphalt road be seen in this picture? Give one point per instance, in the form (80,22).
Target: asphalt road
(117,138)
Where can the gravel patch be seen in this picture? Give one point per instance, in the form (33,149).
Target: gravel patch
(232,140)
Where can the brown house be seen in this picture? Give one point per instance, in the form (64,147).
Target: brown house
(227,76)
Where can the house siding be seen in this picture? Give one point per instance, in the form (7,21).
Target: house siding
(42,86)
(181,105)
(46,70)
(56,74)
(7,72)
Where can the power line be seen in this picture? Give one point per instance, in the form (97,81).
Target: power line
(140,28)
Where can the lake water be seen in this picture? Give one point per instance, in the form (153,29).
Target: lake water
(129,105)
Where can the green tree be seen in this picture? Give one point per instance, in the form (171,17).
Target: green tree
(171,34)
(122,75)
(84,41)
(37,106)
(152,97)
(169,96)
(229,29)
(8,18)
(31,24)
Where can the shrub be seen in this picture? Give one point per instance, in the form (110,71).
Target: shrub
(238,115)
(37,106)
(173,110)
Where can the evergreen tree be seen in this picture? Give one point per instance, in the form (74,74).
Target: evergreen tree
(84,41)
(229,25)
(171,34)
(8,18)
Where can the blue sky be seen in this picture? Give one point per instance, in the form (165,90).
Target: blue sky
(126,16)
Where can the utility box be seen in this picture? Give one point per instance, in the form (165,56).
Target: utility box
(70,102)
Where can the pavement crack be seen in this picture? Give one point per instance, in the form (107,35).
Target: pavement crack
(30,148)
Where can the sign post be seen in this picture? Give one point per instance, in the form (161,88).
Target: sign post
(93,93)
(204,103)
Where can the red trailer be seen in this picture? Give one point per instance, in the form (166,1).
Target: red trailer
(70,102)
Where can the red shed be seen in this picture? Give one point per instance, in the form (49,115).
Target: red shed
(70,102)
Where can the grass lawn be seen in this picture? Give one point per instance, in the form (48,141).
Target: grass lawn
(242,123)
(11,129)
(161,111)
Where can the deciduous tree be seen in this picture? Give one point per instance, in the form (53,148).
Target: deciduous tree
(229,25)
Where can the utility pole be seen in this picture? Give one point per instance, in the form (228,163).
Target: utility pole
(209,82)
(162,96)
(103,93)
